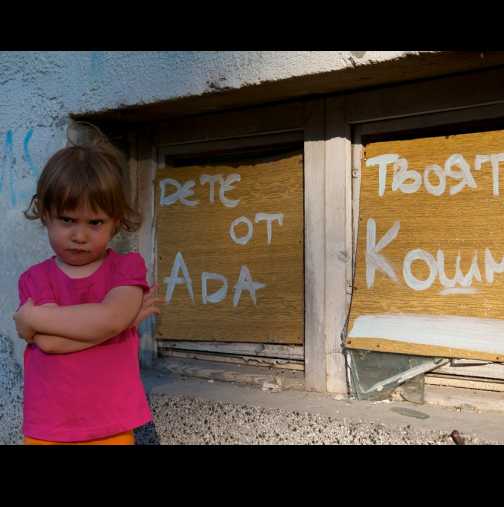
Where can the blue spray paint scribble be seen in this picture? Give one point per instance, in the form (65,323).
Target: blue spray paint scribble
(8,172)
(26,153)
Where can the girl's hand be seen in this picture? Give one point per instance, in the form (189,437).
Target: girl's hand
(148,306)
(22,320)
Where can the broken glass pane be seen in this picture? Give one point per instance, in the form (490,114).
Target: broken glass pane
(375,375)
(413,389)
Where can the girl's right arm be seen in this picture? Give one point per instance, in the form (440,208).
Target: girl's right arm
(51,344)
(84,322)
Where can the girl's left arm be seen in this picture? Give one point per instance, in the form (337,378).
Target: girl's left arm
(85,322)
(61,345)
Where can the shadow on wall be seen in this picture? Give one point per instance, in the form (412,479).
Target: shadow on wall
(12,175)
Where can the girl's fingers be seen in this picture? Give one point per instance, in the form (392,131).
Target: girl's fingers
(152,301)
(153,288)
(149,310)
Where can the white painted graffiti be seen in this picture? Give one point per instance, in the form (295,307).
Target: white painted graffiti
(456,168)
(460,283)
(269,218)
(179,275)
(185,190)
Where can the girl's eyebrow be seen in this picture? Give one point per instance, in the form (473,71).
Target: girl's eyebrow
(87,219)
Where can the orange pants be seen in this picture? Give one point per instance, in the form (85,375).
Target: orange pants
(126,438)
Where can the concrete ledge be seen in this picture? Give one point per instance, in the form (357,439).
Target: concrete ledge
(294,82)
(275,380)
(456,397)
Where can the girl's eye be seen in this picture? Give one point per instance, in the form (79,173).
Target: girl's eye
(66,220)
(96,222)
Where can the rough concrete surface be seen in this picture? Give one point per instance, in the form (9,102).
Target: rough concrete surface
(200,412)
(196,411)
(11,395)
(185,420)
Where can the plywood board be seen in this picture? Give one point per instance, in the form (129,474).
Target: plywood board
(248,228)
(430,243)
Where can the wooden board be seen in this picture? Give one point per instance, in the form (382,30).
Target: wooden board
(294,352)
(407,297)
(464,382)
(203,237)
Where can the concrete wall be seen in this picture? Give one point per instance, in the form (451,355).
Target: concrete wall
(39,90)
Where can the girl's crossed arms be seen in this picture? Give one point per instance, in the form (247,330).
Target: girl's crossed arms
(64,329)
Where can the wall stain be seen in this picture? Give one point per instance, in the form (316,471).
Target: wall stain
(217,84)
(97,60)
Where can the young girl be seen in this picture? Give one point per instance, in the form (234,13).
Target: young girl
(79,308)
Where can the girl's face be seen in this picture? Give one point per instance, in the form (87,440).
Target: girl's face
(81,236)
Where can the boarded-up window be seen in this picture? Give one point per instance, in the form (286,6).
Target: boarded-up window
(430,254)
(230,249)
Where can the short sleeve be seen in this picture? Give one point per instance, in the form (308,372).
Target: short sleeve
(130,269)
(23,289)
(33,284)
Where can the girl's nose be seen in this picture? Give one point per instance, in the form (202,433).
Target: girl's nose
(79,235)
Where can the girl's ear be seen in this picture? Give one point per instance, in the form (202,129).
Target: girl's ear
(117,227)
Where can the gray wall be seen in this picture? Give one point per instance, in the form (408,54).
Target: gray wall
(39,90)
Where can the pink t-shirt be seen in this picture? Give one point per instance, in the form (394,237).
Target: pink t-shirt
(93,393)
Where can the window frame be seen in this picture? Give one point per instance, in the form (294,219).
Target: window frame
(332,128)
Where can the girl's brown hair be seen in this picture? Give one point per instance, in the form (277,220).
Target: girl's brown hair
(93,174)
